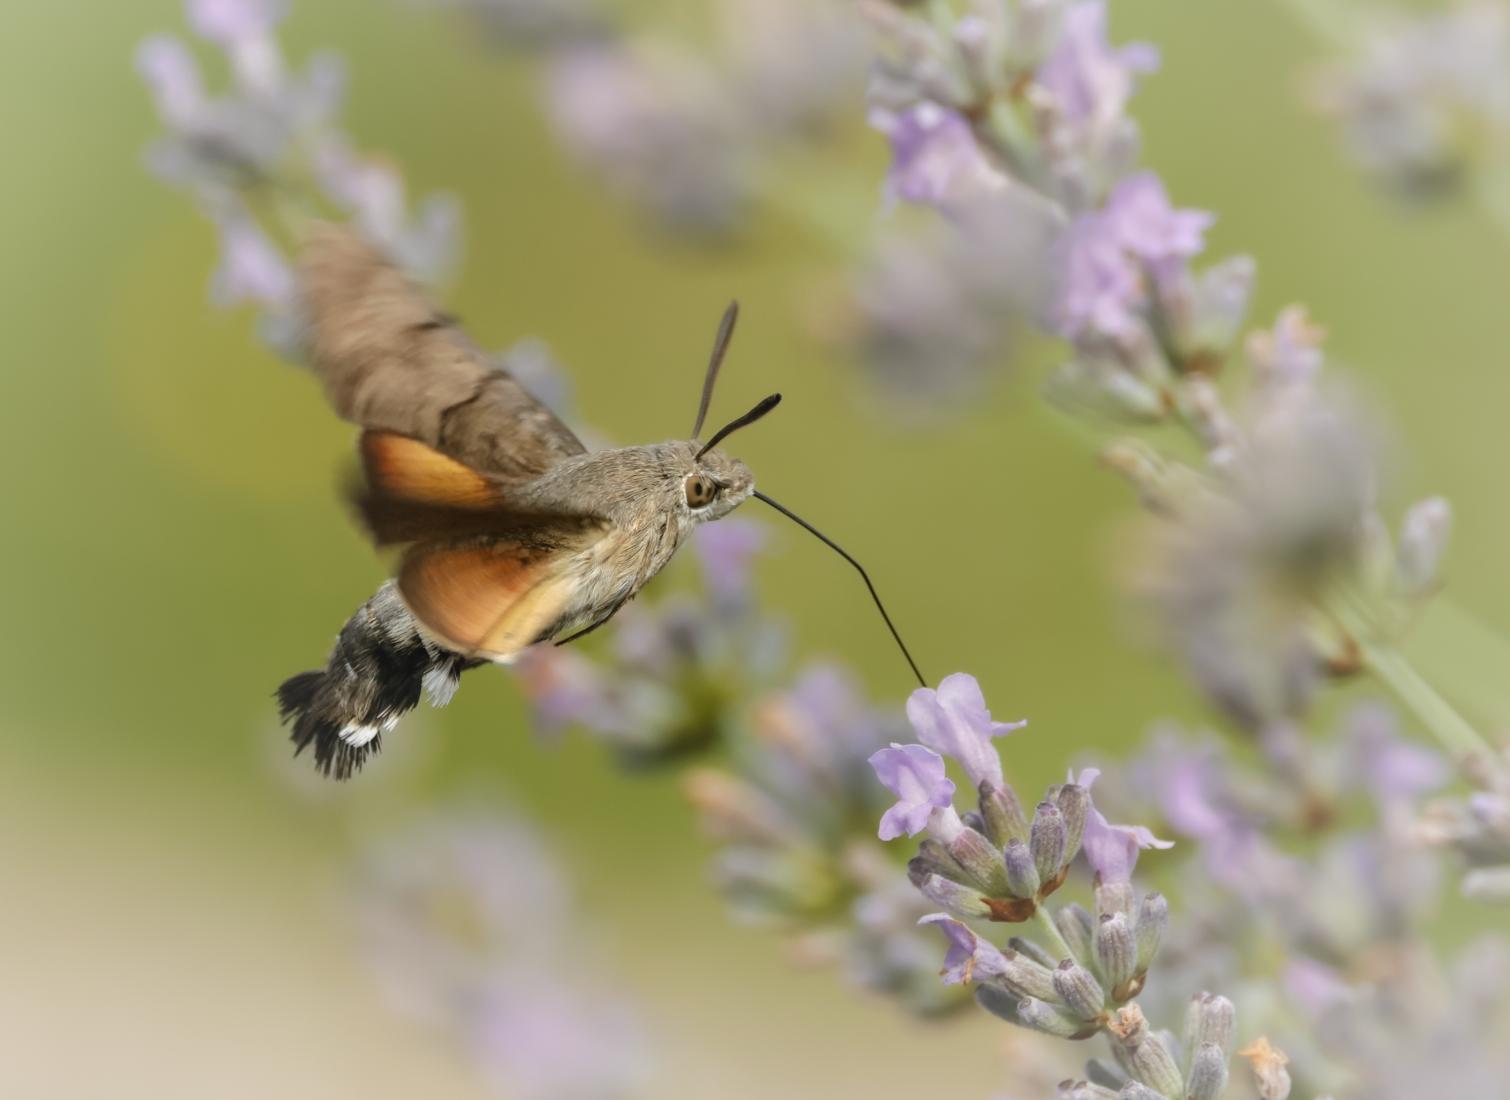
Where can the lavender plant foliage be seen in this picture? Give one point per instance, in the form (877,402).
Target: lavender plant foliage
(469,927)
(268,147)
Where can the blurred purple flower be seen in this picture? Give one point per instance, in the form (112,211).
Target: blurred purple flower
(1290,352)
(936,160)
(536,1037)
(251,269)
(969,957)
(172,77)
(1393,770)
(656,123)
(227,22)
(726,551)
(1101,291)
(916,776)
(1089,80)
(1107,256)
(953,720)
(1150,229)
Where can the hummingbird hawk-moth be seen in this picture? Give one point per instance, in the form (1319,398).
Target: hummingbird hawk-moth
(513,533)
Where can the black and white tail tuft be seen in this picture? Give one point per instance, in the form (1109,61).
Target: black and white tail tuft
(377,670)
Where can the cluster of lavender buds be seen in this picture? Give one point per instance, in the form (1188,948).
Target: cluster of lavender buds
(791,812)
(468,925)
(1423,98)
(269,145)
(1080,974)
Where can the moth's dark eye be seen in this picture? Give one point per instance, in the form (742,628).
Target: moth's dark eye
(701,490)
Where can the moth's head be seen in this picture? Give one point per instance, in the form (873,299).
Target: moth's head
(714,484)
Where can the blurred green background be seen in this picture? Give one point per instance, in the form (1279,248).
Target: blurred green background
(171,911)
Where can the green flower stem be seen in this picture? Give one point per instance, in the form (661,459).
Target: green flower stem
(1046,924)
(1436,713)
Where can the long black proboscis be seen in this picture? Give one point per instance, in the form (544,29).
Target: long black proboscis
(715,361)
(765,406)
(834,546)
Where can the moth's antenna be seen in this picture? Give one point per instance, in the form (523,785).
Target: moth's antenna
(716,360)
(832,545)
(744,421)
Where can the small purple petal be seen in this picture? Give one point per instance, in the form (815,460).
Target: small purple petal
(1112,850)
(1391,768)
(936,160)
(969,957)
(916,776)
(1148,227)
(954,721)
(1091,82)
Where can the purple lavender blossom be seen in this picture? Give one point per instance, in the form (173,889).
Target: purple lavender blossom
(936,160)
(1108,256)
(1396,772)
(953,720)
(969,957)
(916,776)
(1112,850)
(1091,82)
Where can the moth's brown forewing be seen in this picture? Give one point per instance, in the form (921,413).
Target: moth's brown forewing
(392,362)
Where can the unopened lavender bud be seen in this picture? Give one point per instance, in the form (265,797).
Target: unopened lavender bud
(1032,951)
(981,861)
(1047,840)
(1149,1061)
(1002,813)
(1084,1090)
(1079,990)
(1074,802)
(1041,1016)
(1153,922)
(1022,873)
(1103,1073)
(933,858)
(1136,1090)
(998,1002)
(1208,1073)
(1210,1019)
(1116,951)
(1027,978)
(1423,541)
(1076,928)
(962,901)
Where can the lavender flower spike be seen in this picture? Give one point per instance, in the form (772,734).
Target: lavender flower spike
(954,721)
(916,776)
